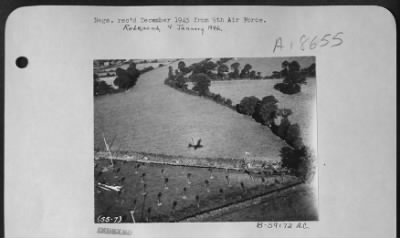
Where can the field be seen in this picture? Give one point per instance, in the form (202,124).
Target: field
(302,104)
(152,117)
(140,64)
(155,176)
(295,204)
(142,182)
(109,75)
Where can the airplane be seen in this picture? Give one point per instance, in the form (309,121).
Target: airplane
(195,146)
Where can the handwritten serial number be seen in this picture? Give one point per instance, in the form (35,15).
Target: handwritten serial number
(307,42)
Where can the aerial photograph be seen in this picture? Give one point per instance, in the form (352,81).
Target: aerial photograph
(205,140)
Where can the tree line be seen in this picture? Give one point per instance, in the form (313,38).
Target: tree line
(266,111)
(125,79)
(220,70)
(179,79)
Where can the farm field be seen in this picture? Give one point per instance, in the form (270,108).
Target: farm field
(145,192)
(295,204)
(140,64)
(148,167)
(302,104)
(152,117)
(109,75)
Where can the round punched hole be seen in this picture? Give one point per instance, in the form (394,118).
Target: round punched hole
(21,62)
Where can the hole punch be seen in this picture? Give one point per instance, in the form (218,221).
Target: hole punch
(21,62)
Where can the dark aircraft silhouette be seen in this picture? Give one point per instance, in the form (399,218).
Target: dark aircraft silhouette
(195,146)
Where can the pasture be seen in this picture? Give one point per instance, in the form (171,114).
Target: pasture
(295,204)
(108,75)
(302,104)
(156,176)
(152,117)
(164,193)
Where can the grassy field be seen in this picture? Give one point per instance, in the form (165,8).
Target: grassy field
(139,65)
(152,117)
(109,75)
(294,204)
(302,104)
(155,123)
(141,184)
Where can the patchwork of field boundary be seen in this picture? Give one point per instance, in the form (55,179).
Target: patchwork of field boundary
(152,117)
(257,199)
(189,193)
(153,173)
(252,163)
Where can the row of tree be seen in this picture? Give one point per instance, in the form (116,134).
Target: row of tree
(291,71)
(125,79)
(219,70)
(232,72)
(201,84)
(202,73)
(201,81)
(266,111)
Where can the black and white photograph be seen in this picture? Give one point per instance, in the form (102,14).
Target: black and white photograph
(179,121)
(211,139)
